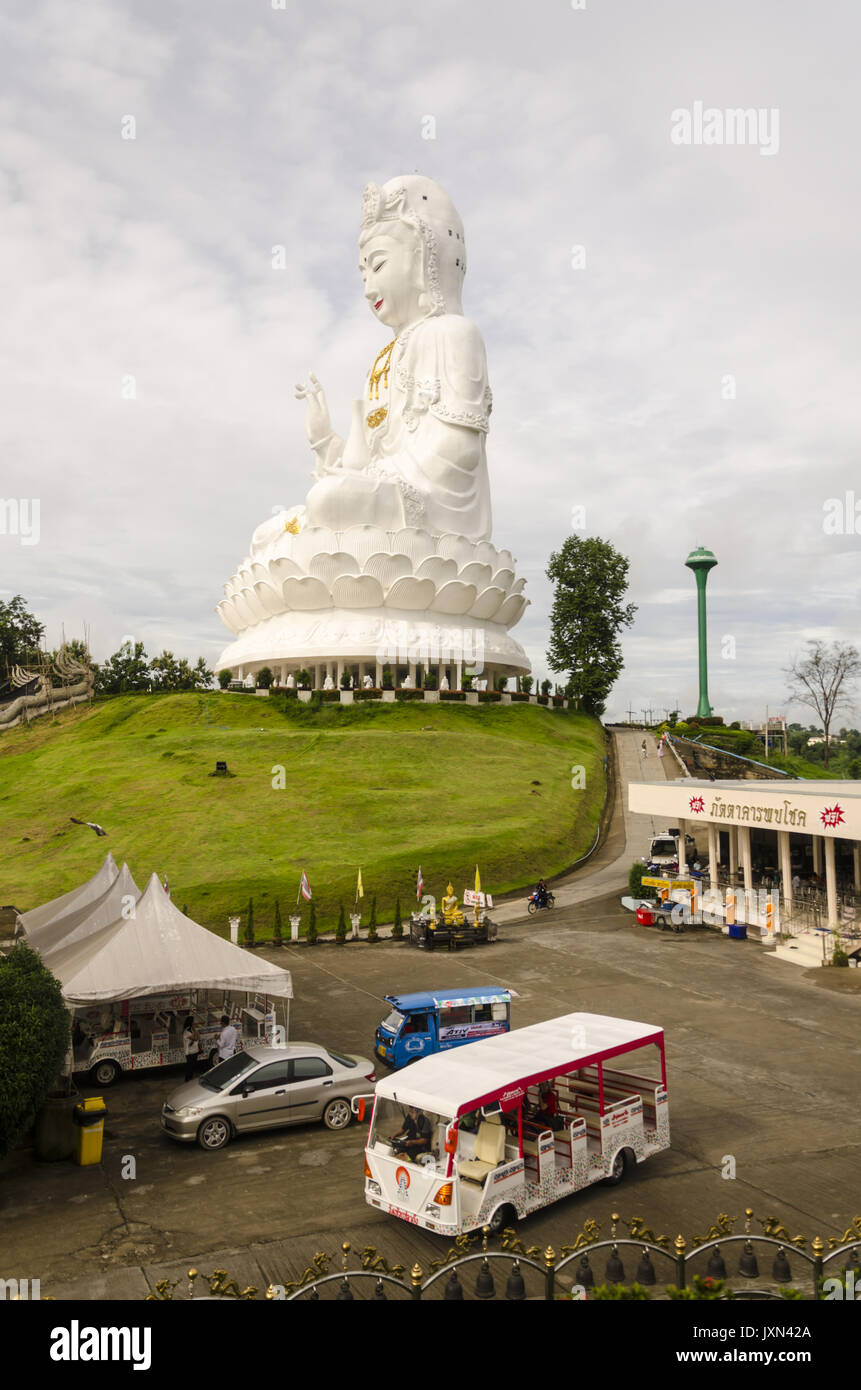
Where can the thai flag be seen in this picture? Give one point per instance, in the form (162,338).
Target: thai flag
(420,883)
(305,887)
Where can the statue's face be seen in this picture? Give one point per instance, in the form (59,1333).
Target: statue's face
(390,266)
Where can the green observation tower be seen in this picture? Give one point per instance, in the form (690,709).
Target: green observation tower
(701,561)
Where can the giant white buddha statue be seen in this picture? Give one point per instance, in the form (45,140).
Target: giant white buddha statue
(397,523)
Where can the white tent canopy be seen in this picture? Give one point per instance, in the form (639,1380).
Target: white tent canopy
(74,926)
(87,893)
(159,951)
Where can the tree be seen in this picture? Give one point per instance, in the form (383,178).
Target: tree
(264,678)
(277,931)
(34,1039)
(312,925)
(397,927)
(224,678)
(526,685)
(372,924)
(20,634)
(249,925)
(823,681)
(591,580)
(127,669)
(341,929)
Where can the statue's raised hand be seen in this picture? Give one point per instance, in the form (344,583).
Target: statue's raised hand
(317,423)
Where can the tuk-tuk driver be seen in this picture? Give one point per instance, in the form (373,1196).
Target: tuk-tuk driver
(414,1137)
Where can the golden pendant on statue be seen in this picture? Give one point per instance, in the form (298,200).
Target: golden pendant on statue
(380,371)
(376,417)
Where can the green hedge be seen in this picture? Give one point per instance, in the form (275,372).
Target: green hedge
(373,694)
(401,694)
(34,1039)
(520,695)
(452,695)
(330,697)
(542,699)
(488,697)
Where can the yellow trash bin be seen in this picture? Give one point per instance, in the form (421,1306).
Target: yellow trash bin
(90,1119)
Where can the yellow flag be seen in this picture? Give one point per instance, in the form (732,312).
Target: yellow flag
(477,880)
(360,892)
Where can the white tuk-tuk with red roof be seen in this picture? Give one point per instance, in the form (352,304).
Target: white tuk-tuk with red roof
(499,1129)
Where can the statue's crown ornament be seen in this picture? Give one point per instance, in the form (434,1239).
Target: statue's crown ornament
(424,205)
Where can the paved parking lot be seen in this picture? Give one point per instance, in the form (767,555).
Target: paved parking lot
(763,1065)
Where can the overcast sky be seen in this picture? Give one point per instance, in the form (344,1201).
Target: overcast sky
(696,381)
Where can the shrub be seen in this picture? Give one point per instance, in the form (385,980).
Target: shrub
(248,938)
(429,681)
(331,696)
(488,697)
(466,682)
(620,1292)
(521,695)
(341,929)
(312,924)
(542,699)
(398,928)
(838,955)
(367,694)
(635,882)
(303,679)
(346,680)
(277,933)
(34,1039)
(501,683)
(558,699)
(545,687)
(264,678)
(372,924)
(289,693)
(224,679)
(452,695)
(388,679)
(525,685)
(402,694)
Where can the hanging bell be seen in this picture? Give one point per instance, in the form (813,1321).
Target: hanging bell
(453,1288)
(515,1288)
(780,1270)
(584,1273)
(645,1269)
(615,1271)
(716,1267)
(379,1293)
(747,1265)
(484,1285)
(345,1293)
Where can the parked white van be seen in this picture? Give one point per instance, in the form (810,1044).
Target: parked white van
(499,1129)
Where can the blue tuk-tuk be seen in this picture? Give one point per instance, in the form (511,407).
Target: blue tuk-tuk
(434,1020)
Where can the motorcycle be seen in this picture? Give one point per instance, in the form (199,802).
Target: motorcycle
(534,905)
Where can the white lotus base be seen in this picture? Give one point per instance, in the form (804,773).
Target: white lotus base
(336,638)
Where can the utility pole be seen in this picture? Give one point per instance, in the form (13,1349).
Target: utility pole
(766,733)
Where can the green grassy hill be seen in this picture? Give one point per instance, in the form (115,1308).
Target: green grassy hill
(384,787)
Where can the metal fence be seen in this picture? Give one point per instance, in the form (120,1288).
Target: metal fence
(719,1264)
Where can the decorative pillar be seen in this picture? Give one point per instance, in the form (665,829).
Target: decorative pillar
(713,855)
(683,853)
(340,674)
(831,884)
(412,671)
(361,673)
(785,861)
(744,846)
(378,680)
(458,669)
(317,681)
(733,853)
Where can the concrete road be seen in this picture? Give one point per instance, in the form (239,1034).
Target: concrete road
(763,1063)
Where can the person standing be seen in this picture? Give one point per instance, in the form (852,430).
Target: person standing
(190,1046)
(227,1039)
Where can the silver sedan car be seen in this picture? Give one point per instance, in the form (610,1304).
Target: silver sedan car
(267,1087)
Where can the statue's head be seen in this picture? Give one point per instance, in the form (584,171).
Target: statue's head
(411,251)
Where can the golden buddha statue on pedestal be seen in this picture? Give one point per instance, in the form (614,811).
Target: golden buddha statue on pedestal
(451,913)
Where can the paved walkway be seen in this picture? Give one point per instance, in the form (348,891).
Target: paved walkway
(629,834)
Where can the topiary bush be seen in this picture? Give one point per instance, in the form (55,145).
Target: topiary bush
(341,929)
(458,695)
(224,679)
(398,928)
(264,678)
(388,679)
(248,937)
(34,1040)
(372,924)
(277,932)
(401,694)
(312,925)
(635,882)
(489,697)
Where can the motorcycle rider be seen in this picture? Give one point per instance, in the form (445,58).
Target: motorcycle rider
(541,893)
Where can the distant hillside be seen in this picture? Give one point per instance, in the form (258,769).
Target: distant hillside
(382,787)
